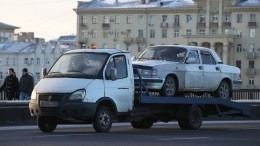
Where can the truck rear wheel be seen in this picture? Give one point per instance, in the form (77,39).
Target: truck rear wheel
(193,120)
(169,87)
(144,124)
(103,120)
(47,124)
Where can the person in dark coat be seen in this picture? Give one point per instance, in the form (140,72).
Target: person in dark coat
(26,85)
(10,85)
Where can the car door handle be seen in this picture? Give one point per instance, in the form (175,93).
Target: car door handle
(218,68)
(201,67)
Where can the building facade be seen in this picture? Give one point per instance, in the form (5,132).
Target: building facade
(7,32)
(230,27)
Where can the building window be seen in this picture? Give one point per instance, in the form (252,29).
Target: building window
(176,33)
(252,18)
(164,18)
(152,19)
(94,33)
(84,20)
(227,31)
(252,33)
(105,33)
(152,33)
(38,61)
(31,61)
(215,18)
(251,48)
(251,64)
(226,17)
(239,18)
(238,64)
(26,61)
(94,19)
(176,19)
(140,33)
(202,19)
(251,81)
(1,76)
(128,33)
(38,76)
(188,31)
(117,31)
(7,61)
(202,31)
(239,33)
(164,33)
(214,32)
(188,18)
(83,33)
(129,19)
(117,20)
(239,48)
(140,19)
(14,61)
(106,19)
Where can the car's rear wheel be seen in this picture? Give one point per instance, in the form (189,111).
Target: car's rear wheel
(223,90)
(169,87)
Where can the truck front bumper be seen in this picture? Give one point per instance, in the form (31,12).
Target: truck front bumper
(86,110)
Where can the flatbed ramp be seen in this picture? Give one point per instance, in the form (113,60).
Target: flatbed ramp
(222,106)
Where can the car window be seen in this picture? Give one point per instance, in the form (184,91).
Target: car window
(118,62)
(194,54)
(207,58)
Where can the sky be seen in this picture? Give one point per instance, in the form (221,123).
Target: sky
(48,19)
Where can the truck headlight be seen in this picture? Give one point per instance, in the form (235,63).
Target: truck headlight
(33,95)
(148,73)
(80,94)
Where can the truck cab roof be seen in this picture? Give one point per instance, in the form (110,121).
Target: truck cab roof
(100,50)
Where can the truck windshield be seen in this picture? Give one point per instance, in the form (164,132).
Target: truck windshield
(176,54)
(83,65)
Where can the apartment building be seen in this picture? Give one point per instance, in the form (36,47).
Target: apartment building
(230,27)
(7,32)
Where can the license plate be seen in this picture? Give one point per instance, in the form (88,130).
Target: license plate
(49,104)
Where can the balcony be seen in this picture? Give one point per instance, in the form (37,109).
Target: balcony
(176,25)
(250,55)
(250,71)
(164,25)
(201,25)
(83,25)
(139,40)
(252,24)
(105,25)
(213,25)
(128,40)
(82,39)
(226,24)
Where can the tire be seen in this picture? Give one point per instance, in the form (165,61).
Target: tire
(169,87)
(144,124)
(47,124)
(193,120)
(103,120)
(223,90)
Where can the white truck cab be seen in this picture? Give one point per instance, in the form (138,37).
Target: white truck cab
(82,83)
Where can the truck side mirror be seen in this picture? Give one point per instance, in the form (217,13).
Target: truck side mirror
(113,74)
(44,73)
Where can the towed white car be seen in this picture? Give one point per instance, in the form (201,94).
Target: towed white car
(174,70)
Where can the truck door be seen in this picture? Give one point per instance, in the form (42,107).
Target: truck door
(121,89)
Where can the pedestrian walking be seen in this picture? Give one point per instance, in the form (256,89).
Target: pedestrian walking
(26,85)
(10,85)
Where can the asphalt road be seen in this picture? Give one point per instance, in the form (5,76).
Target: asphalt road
(213,133)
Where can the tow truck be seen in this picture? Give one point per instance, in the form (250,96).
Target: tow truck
(99,86)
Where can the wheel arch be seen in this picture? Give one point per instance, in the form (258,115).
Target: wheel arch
(108,102)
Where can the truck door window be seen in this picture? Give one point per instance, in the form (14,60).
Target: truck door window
(118,62)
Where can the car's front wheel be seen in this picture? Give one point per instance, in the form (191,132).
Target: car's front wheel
(223,90)
(169,87)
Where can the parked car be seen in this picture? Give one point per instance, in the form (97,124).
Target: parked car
(175,70)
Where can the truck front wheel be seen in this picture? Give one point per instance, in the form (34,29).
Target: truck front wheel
(47,124)
(193,120)
(103,120)
(144,124)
